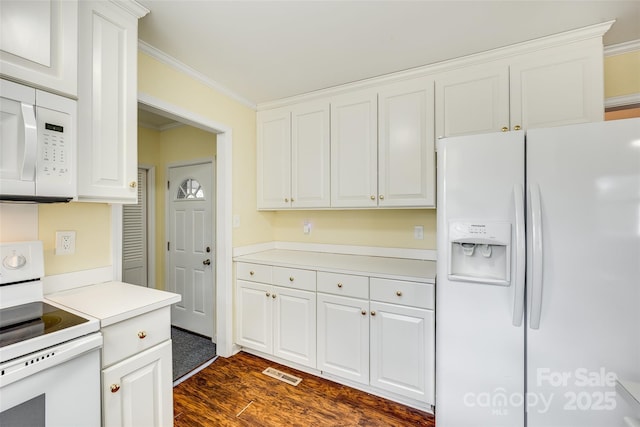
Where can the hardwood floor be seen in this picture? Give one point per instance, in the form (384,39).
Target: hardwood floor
(235,392)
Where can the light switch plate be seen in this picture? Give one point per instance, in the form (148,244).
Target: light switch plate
(418,232)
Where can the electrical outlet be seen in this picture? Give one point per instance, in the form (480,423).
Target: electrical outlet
(65,242)
(418,232)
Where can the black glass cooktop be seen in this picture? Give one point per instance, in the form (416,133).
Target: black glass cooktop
(34,319)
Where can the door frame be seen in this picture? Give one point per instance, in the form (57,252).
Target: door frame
(167,224)
(223,241)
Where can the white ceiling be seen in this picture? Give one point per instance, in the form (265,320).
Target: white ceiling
(267,50)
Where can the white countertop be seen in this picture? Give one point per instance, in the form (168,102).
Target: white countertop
(391,268)
(631,391)
(112,302)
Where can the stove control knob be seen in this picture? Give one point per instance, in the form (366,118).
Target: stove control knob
(14,261)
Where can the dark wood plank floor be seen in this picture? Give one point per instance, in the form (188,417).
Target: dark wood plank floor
(235,392)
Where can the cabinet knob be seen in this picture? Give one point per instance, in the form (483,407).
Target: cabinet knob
(504,129)
(251,273)
(133,184)
(273,296)
(399,293)
(142,335)
(339,285)
(517,127)
(286,200)
(291,279)
(364,312)
(373,197)
(373,313)
(114,388)
(381,197)
(268,294)
(292,200)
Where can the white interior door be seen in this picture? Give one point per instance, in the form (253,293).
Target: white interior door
(134,236)
(190,247)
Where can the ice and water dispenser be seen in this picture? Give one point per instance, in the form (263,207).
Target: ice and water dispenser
(480,251)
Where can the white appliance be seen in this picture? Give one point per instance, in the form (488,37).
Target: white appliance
(49,356)
(538,284)
(37,145)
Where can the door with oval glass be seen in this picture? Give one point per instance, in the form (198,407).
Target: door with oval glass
(191,262)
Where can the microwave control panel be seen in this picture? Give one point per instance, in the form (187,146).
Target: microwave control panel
(55,142)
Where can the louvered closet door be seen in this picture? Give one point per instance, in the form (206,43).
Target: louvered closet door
(134,230)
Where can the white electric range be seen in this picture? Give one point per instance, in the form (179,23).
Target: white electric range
(49,356)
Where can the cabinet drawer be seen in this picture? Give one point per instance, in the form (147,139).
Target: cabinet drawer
(132,336)
(294,278)
(413,294)
(343,284)
(253,272)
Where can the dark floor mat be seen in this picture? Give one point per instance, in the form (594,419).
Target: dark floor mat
(189,351)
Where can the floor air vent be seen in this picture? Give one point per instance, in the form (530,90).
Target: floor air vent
(279,375)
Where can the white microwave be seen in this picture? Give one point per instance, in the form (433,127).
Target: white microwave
(37,145)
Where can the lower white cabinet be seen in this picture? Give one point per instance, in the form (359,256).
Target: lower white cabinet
(343,337)
(131,392)
(277,320)
(402,350)
(137,371)
(385,341)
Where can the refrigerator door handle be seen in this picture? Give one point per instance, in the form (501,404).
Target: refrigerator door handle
(536,256)
(520,247)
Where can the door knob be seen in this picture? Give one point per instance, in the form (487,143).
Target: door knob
(207,262)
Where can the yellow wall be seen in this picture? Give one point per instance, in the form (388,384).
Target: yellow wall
(92,224)
(622,74)
(166,83)
(159,149)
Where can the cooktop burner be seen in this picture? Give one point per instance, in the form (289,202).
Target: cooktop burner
(34,319)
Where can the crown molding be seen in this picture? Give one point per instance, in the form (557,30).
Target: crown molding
(592,32)
(185,69)
(620,48)
(133,7)
(621,101)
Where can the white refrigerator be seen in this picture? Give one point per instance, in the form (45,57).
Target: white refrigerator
(538,277)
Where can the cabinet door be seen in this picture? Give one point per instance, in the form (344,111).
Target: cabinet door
(254,316)
(559,86)
(294,325)
(406,157)
(138,390)
(402,350)
(472,100)
(274,159)
(43,51)
(343,337)
(107,103)
(310,155)
(354,150)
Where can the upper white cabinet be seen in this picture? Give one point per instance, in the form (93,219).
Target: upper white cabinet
(293,157)
(561,86)
(107,101)
(406,156)
(472,100)
(39,43)
(354,150)
(551,87)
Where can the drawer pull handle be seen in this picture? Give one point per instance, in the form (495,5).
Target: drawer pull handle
(364,312)
(115,388)
(273,296)
(339,285)
(251,273)
(291,279)
(268,294)
(373,313)
(399,293)
(142,335)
